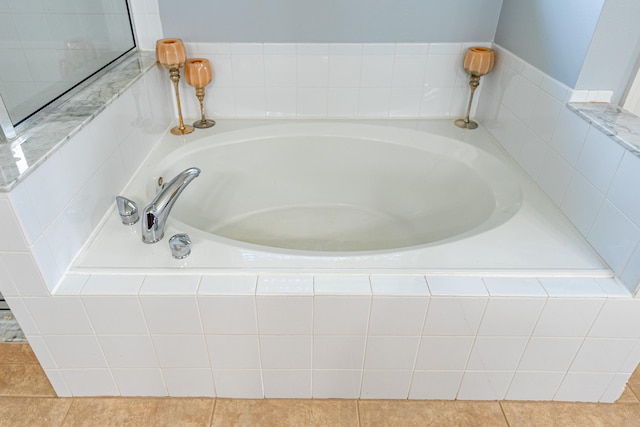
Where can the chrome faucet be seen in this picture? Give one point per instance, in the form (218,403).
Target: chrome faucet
(154,216)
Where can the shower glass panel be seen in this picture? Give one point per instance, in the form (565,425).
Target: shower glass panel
(47,47)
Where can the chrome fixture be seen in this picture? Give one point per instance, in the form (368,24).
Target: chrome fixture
(180,245)
(154,216)
(128,210)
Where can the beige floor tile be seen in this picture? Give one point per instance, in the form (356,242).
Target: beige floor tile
(24,380)
(550,414)
(430,413)
(32,411)
(634,381)
(285,412)
(16,353)
(135,411)
(628,396)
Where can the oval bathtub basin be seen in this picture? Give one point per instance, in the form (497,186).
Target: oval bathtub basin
(340,187)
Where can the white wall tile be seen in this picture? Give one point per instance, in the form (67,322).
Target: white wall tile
(24,274)
(139,382)
(312,71)
(341,285)
(617,319)
(59,316)
(534,385)
(115,315)
(572,287)
(397,315)
(458,286)
(187,382)
(599,159)
(341,315)
(285,315)
(12,238)
(549,354)
(602,355)
(387,353)
(90,382)
(288,383)
(567,317)
(228,285)
(171,315)
(521,312)
(76,351)
(7,287)
(435,385)
(25,213)
(583,387)
(286,351)
(624,192)
(409,71)
(338,352)
(614,236)
(46,262)
(238,384)
(280,70)
(170,285)
(301,285)
(615,389)
(373,102)
(110,284)
(344,71)
(444,353)
(385,384)
(555,176)
(172,352)
(496,353)
(228,314)
(454,316)
(343,102)
(392,285)
(377,71)
(631,274)
(514,286)
(338,384)
(234,351)
(128,351)
(569,135)
(312,102)
(582,202)
(484,385)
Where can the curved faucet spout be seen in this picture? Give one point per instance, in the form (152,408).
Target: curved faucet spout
(154,216)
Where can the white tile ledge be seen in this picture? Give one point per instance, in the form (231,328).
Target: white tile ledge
(622,126)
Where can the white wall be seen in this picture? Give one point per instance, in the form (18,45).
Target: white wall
(554,36)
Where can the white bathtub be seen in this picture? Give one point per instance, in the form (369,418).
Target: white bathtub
(396,195)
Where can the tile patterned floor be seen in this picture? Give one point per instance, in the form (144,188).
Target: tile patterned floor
(27,399)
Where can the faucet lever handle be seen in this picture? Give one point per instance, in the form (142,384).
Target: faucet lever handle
(128,210)
(180,245)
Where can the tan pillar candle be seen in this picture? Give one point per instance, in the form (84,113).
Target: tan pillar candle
(198,72)
(171,52)
(478,61)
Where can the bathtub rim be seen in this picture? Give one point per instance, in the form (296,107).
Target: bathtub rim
(590,264)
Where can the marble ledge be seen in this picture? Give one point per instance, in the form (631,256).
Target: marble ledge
(622,126)
(44,133)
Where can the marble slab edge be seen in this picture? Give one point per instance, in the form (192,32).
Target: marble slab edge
(621,125)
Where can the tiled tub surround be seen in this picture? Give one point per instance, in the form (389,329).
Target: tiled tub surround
(340,336)
(115,334)
(592,176)
(339,80)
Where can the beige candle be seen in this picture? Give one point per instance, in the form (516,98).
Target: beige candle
(171,52)
(478,61)
(198,72)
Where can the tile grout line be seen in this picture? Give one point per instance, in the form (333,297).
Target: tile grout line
(504,414)
(62,422)
(213,411)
